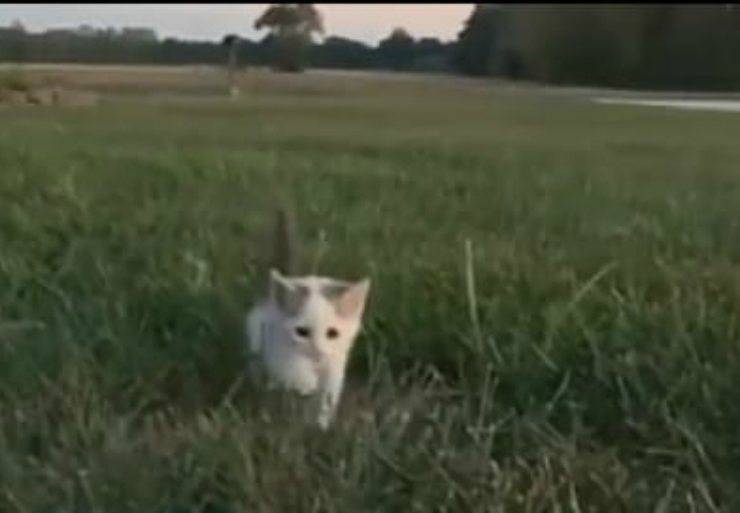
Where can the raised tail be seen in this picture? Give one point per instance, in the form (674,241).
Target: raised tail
(284,256)
(275,247)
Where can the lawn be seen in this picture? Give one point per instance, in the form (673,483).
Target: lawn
(552,323)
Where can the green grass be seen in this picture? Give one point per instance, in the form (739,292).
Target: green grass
(13,79)
(590,364)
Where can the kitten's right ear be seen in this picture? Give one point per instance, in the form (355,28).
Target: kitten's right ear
(277,278)
(286,294)
(278,283)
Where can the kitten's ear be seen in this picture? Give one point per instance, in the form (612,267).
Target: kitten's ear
(351,303)
(287,295)
(278,281)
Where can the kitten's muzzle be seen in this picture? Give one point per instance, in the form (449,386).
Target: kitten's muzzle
(310,350)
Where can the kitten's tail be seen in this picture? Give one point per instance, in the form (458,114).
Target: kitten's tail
(275,248)
(285,249)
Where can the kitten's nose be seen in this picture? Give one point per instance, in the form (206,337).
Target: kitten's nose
(314,349)
(311,349)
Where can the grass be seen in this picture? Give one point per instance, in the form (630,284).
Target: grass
(13,79)
(581,356)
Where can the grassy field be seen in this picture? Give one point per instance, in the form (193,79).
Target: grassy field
(582,357)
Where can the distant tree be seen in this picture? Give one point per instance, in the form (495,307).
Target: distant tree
(397,50)
(86,30)
(478,42)
(339,52)
(432,55)
(657,21)
(292,27)
(138,34)
(427,45)
(14,42)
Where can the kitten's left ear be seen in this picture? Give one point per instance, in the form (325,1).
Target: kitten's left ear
(351,302)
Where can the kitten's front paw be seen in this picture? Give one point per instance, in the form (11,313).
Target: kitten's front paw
(305,389)
(323,422)
(326,412)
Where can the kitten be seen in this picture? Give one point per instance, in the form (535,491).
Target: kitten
(303,331)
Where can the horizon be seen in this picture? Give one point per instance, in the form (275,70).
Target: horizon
(367,23)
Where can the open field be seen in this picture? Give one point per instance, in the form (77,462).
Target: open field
(589,363)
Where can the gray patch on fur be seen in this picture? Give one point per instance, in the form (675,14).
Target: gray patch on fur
(333,291)
(292,300)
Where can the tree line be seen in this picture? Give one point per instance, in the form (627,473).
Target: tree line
(399,51)
(660,46)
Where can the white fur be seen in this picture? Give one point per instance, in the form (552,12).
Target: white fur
(313,364)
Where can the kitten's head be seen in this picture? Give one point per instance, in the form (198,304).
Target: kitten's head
(321,315)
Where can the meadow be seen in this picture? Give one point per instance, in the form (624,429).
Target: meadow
(552,324)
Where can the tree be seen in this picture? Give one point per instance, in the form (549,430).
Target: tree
(292,27)
(397,50)
(478,41)
(14,40)
(653,39)
(339,52)
(427,45)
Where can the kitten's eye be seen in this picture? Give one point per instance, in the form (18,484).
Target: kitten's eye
(302,331)
(332,333)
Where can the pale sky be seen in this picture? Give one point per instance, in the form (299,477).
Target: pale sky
(365,22)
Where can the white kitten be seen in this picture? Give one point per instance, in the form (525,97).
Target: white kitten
(302,333)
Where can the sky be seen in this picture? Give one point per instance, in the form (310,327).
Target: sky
(364,22)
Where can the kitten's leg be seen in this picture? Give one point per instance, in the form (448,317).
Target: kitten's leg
(330,390)
(254,329)
(255,370)
(255,339)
